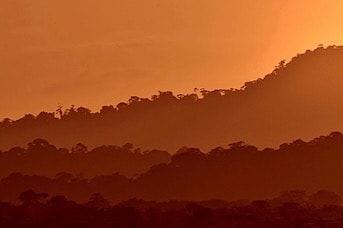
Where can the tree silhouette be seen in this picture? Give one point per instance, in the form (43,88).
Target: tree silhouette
(97,201)
(324,197)
(79,149)
(30,197)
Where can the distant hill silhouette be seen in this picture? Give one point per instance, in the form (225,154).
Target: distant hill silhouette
(42,158)
(239,171)
(299,99)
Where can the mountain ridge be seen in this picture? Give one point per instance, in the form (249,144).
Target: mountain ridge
(296,100)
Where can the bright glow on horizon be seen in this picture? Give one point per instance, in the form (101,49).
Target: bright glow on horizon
(92,54)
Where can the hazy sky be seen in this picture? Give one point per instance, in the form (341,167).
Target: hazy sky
(93,53)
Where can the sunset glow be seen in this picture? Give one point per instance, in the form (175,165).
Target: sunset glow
(92,53)
(171,113)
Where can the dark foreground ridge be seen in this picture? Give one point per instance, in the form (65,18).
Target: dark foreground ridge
(239,171)
(299,99)
(289,209)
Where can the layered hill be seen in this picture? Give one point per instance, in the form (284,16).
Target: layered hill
(299,99)
(237,172)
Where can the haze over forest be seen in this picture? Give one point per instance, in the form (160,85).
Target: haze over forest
(98,53)
(299,99)
(236,172)
(189,147)
(171,113)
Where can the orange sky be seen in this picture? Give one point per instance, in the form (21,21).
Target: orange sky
(92,53)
